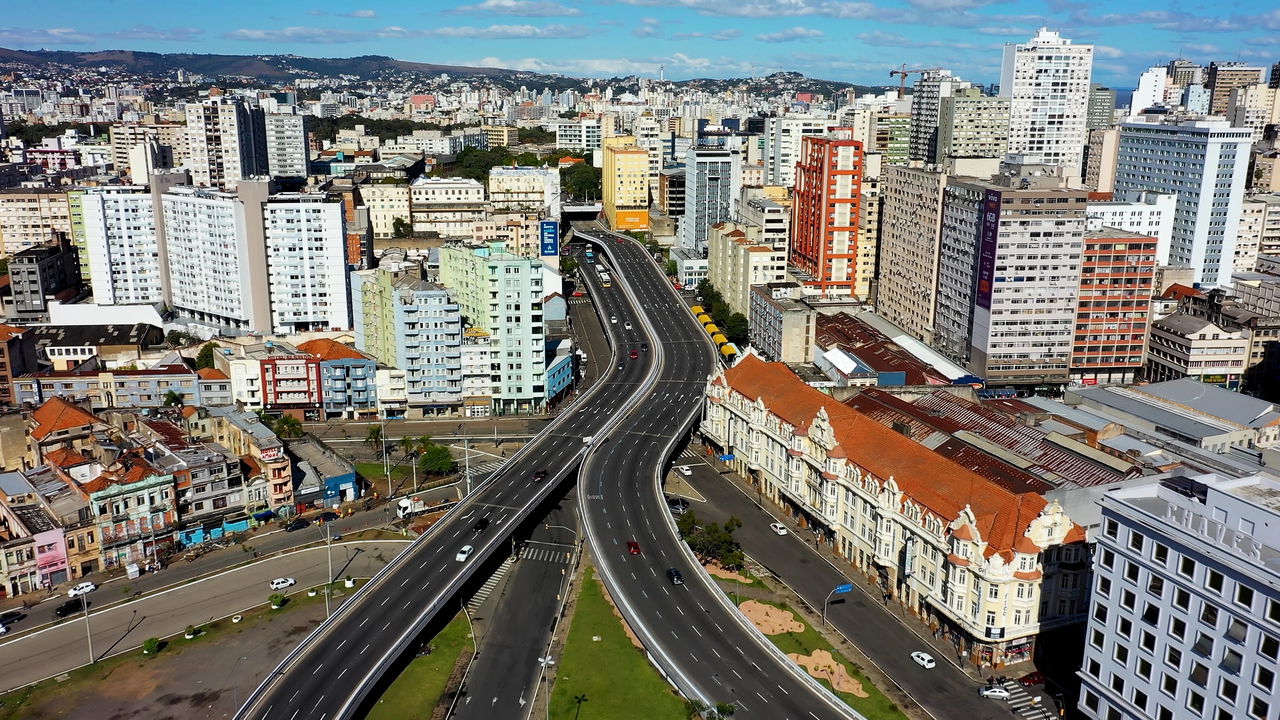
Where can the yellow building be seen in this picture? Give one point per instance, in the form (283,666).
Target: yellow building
(626,183)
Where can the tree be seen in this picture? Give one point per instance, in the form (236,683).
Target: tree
(672,268)
(536,136)
(400,228)
(180,338)
(288,426)
(373,438)
(437,459)
(581,181)
(568,266)
(276,600)
(172,399)
(736,329)
(205,358)
(408,444)
(265,419)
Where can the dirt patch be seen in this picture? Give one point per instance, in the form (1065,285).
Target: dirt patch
(626,627)
(769,619)
(724,574)
(822,665)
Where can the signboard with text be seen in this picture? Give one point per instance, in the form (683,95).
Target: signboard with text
(988,234)
(549,238)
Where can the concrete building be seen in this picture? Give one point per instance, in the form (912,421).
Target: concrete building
(449,207)
(32,216)
(1102,107)
(1254,106)
(124,255)
(1100,155)
(625,184)
(826,210)
(170,141)
(737,260)
(306,262)
(1205,162)
(583,135)
(972,125)
(1150,92)
(348,377)
(288,153)
(671,191)
(765,210)
(1184,345)
(781,325)
(713,184)
(415,326)
(1147,213)
(1117,281)
(869,208)
(386,203)
(1224,77)
(227,142)
(910,220)
(782,136)
(888,135)
(1047,82)
(927,96)
(501,135)
(691,267)
(1184,604)
(525,189)
(39,275)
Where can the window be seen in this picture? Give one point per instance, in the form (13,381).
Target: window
(1169,685)
(1148,641)
(1173,657)
(1135,540)
(1269,646)
(1187,567)
(1209,615)
(1228,690)
(1124,627)
(1231,661)
(1178,628)
(1213,581)
(1144,669)
(1155,586)
(1264,678)
(1151,615)
(1121,654)
(1181,598)
(1130,572)
(1258,708)
(1107,558)
(1097,639)
(1195,701)
(1244,596)
(1204,645)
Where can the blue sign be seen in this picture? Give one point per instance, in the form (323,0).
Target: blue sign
(549,237)
(841,589)
(726,458)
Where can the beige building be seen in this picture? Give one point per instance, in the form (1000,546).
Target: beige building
(126,137)
(864,270)
(1187,346)
(782,325)
(1254,106)
(518,232)
(386,202)
(1253,213)
(951,545)
(911,213)
(449,207)
(737,259)
(972,125)
(31,216)
(504,135)
(1100,159)
(626,184)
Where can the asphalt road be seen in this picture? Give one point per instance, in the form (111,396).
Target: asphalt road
(122,626)
(697,638)
(388,614)
(945,691)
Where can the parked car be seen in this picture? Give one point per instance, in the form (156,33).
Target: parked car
(644,347)
(282,583)
(1032,678)
(69,607)
(995,692)
(778,528)
(328,516)
(675,576)
(923,659)
(81,589)
(684,470)
(464,553)
(633,547)
(613,319)
(297,525)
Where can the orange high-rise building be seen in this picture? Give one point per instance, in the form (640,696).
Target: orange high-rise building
(825,210)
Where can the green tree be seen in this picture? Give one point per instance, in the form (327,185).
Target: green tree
(400,228)
(288,426)
(736,329)
(265,419)
(672,268)
(180,338)
(373,437)
(205,358)
(172,399)
(568,265)
(581,181)
(437,459)
(536,136)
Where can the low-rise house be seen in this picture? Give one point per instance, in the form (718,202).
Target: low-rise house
(134,507)
(325,479)
(60,423)
(348,377)
(267,467)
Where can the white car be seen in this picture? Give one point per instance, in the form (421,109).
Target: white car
(923,659)
(613,319)
(995,693)
(684,470)
(778,528)
(464,553)
(626,326)
(282,583)
(81,589)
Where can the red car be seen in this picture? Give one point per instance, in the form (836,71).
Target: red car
(634,354)
(1032,678)
(633,547)
(578,293)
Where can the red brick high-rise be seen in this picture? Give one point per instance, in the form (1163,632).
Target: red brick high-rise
(825,211)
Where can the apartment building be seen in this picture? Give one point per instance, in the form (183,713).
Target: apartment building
(348,378)
(1186,616)
(782,326)
(1113,311)
(1183,345)
(305,239)
(291,380)
(971,125)
(287,149)
(525,189)
(31,217)
(625,180)
(1146,213)
(1047,82)
(737,259)
(911,214)
(227,142)
(40,274)
(124,254)
(259,449)
(1102,107)
(582,135)
(448,207)
(769,211)
(1224,77)
(102,389)
(134,506)
(927,96)
(782,138)
(386,204)
(1100,155)
(170,141)
(826,210)
(712,187)
(965,552)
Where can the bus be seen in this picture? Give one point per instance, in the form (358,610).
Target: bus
(591,254)
(604,280)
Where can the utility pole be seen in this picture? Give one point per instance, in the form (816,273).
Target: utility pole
(328,582)
(84,603)
(466,462)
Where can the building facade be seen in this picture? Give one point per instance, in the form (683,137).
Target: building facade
(1047,82)
(826,210)
(1113,311)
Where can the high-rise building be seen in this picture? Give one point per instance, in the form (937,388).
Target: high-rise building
(226,140)
(868,244)
(926,108)
(1184,72)
(712,186)
(1117,282)
(1147,213)
(583,135)
(1047,82)
(170,140)
(1102,107)
(30,217)
(306,248)
(525,189)
(1203,161)
(1150,92)
(889,133)
(1255,107)
(124,260)
(825,211)
(625,184)
(1223,77)
(42,273)
(737,259)
(287,149)
(972,125)
(1100,159)
(1195,99)
(910,219)
(1186,615)
(782,145)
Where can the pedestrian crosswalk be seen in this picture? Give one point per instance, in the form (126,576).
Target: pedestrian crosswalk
(482,471)
(690,453)
(579,301)
(548,554)
(487,588)
(1023,702)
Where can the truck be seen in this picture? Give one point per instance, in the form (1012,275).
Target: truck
(409,507)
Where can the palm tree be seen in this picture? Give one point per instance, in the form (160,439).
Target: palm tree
(373,438)
(288,426)
(408,444)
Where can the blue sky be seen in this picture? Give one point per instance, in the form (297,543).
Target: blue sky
(854,40)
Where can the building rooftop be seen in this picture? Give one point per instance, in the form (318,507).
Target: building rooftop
(308,451)
(1172,419)
(327,349)
(14,484)
(56,415)
(871,348)
(1213,401)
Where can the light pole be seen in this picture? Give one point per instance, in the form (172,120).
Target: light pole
(84,603)
(466,461)
(382,434)
(837,590)
(328,581)
(235,681)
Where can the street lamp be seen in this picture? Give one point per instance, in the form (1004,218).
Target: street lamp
(328,581)
(84,604)
(235,681)
(579,699)
(837,590)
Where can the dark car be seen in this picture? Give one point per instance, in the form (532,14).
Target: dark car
(1032,679)
(540,475)
(67,608)
(675,576)
(297,525)
(644,347)
(10,617)
(328,516)
(480,525)
(619,366)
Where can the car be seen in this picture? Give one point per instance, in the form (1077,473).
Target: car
(684,470)
(4,629)
(923,659)
(282,583)
(1032,678)
(644,347)
(81,589)
(579,293)
(633,547)
(297,525)
(540,475)
(69,607)
(626,325)
(480,525)
(679,509)
(634,354)
(675,576)
(11,616)
(328,516)
(778,528)
(613,319)
(995,692)
(619,366)
(620,240)
(464,553)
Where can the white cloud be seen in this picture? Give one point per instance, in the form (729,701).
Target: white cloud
(523,8)
(676,64)
(1106,51)
(648,28)
(510,32)
(41,37)
(879,38)
(342,35)
(361,14)
(726,34)
(777,8)
(789,35)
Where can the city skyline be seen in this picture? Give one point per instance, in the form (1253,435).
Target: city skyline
(830,39)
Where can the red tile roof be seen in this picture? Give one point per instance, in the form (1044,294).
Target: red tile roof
(64,458)
(131,469)
(57,414)
(211,374)
(937,483)
(8,332)
(327,349)
(1177,291)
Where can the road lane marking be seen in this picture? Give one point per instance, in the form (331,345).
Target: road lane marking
(366,647)
(313,672)
(344,642)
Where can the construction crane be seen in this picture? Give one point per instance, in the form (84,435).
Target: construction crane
(903,72)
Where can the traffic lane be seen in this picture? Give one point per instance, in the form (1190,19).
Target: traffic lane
(34,656)
(944,691)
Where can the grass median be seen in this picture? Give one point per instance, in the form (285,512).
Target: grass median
(601,664)
(415,693)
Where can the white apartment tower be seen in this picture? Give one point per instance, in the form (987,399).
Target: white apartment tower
(713,185)
(124,260)
(305,236)
(226,142)
(926,105)
(1047,83)
(782,145)
(1205,162)
(287,151)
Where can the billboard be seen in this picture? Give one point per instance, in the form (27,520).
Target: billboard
(988,234)
(549,238)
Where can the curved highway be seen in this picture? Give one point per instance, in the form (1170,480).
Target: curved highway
(692,633)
